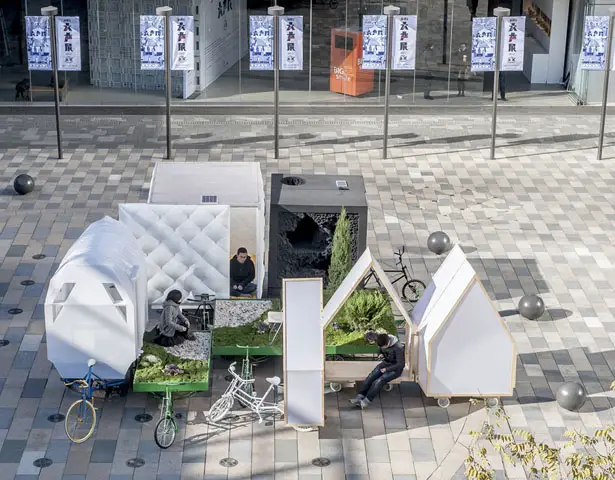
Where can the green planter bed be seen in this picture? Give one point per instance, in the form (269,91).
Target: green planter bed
(151,378)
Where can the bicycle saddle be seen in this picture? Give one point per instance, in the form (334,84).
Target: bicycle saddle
(274,380)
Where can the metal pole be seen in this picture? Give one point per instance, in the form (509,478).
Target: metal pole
(51,12)
(275,12)
(605,88)
(389,11)
(166,13)
(499,13)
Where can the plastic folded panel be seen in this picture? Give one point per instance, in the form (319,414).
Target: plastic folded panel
(187,247)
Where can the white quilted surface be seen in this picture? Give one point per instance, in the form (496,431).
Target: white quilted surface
(187,247)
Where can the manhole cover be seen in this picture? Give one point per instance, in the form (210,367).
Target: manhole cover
(42,462)
(39,256)
(143,417)
(27,283)
(4,343)
(135,462)
(56,418)
(228,462)
(15,311)
(178,416)
(293,181)
(321,462)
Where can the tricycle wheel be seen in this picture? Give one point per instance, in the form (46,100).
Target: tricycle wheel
(444,402)
(387,387)
(220,408)
(165,432)
(493,402)
(336,387)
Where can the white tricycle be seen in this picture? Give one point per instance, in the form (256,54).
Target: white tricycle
(237,391)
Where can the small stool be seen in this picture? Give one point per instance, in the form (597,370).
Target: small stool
(274,319)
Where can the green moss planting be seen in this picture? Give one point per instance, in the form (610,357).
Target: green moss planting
(148,371)
(248,334)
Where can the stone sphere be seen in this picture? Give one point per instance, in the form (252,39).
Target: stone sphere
(571,396)
(531,307)
(438,242)
(23,184)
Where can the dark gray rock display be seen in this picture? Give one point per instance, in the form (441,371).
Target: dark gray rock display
(23,184)
(531,307)
(438,243)
(571,396)
(304,212)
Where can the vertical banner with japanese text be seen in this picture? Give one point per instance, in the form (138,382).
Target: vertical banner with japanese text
(483,44)
(38,43)
(374,42)
(513,44)
(404,42)
(68,36)
(291,43)
(261,42)
(595,37)
(152,42)
(182,43)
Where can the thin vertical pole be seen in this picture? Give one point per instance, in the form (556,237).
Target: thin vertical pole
(56,92)
(276,11)
(167,75)
(500,13)
(605,88)
(389,11)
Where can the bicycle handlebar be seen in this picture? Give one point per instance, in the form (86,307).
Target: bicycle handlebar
(231,369)
(79,380)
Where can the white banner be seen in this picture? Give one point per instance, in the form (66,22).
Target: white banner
(261,42)
(513,44)
(152,42)
(483,44)
(38,43)
(291,43)
(595,36)
(182,34)
(374,42)
(404,42)
(68,35)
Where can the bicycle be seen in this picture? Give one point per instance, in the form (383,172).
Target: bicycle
(166,428)
(84,408)
(247,373)
(204,314)
(412,289)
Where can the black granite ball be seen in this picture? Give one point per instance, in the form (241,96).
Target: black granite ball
(438,243)
(571,396)
(531,307)
(23,184)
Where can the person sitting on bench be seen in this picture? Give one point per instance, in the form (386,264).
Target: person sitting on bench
(173,328)
(242,273)
(388,370)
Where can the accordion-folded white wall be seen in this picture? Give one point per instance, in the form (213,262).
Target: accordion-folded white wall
(96,304)
(463,346)
(236,184)
(186,247)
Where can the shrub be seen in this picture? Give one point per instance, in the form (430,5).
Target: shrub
(341,255)
(366,309)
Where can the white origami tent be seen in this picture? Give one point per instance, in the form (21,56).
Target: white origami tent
(463,348)
(186,247)
(237,184)
(96,304)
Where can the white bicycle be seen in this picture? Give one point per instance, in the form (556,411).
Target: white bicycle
(237,391)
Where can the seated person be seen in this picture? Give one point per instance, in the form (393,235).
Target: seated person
(242,274)
(389,369)
(173,328)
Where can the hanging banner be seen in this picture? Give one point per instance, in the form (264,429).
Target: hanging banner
(182,48)
(374,42)
(513,44)
(261,42)
(483,44)
(404,42)
(595,36)
(291,43)
(68,36)
(152,42)
(38,43)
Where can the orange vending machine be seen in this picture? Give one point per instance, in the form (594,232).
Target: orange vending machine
(347,76)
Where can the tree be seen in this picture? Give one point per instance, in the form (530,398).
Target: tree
(341,255)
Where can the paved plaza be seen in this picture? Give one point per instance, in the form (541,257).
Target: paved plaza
(537,219)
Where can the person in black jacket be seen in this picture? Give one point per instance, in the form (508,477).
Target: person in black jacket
(242,274)
(391,367)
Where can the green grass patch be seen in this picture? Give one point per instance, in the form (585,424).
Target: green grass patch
(195,371)
(247,334)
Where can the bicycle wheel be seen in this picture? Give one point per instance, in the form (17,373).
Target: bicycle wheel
(220,408)
(165,432)
(80,421)
(412,291)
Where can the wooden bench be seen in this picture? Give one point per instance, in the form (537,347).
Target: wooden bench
(346,374)
(62,91)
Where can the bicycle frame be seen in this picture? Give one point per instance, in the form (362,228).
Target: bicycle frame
(257,404)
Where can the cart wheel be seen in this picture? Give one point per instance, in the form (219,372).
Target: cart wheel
(444,402)
(220,408)
(164,434)
(387,387)
(303,428)
(336,387)
(493,402)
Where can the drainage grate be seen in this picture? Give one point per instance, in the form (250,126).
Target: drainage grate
(293,181)
(27,283)
(228,462)
(42,462)
(321,462)
(39,256)
(15,311)
(135,462)
(56,418)
(143,417)
(4,343)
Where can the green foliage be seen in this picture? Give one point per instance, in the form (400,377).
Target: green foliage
(341,255)
(247,334)
(195,371)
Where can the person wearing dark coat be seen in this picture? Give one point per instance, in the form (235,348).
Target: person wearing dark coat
(173,328)
(391,367)
(242,273)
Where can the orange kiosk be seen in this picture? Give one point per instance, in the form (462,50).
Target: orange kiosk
(347,76)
